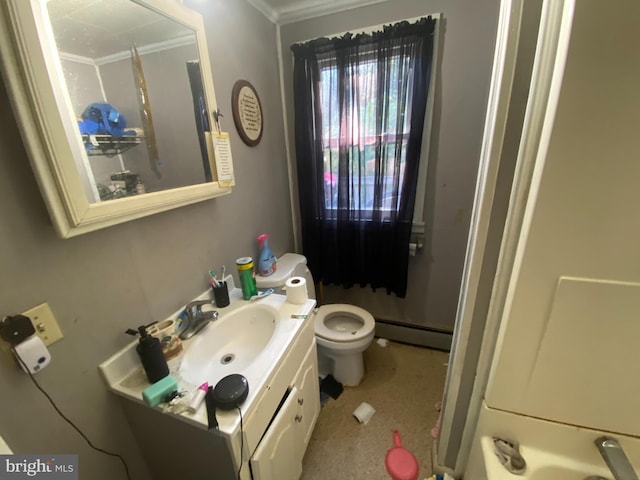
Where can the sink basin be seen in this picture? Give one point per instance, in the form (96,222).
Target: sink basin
(253,339)
(230,344)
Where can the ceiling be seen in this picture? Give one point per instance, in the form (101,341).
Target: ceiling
(289,11)
(95,28)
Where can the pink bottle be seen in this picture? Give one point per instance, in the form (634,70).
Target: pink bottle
(400,462)
(266,261)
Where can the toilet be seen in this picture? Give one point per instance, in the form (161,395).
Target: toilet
(343,332)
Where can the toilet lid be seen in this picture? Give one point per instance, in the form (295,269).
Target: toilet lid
(343,323)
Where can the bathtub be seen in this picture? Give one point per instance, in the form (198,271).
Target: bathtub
(553,451)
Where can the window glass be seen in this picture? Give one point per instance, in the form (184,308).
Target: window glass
(360,130)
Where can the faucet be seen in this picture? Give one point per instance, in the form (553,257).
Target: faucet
(616,460)
(195,319)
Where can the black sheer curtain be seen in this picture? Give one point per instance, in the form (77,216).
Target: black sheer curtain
(360,104)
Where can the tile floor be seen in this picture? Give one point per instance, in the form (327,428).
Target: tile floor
(403,383)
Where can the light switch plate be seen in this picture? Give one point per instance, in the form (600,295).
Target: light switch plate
(45,323)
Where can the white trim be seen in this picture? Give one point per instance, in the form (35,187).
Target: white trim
(550,58)
(32,73)
(150,48)
(72,57)
(419,225)
(293,201)
(313,9)
(307,10)
(265,9)
(495,125)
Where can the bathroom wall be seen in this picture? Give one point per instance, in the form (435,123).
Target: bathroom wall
(103,282)
(468,32)
(174,122)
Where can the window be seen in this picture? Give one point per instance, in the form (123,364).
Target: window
(359,124)
(360,109)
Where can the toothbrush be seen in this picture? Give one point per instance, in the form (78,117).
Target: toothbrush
(212,279)
(260,295)
(222,270)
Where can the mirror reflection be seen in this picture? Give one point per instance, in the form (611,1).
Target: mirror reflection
(135,90)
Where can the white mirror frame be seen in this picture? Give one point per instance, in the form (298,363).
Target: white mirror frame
(32,72)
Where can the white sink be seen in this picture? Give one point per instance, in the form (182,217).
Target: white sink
(249,338)
(230,344)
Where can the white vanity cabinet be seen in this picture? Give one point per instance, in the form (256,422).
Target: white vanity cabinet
(270,439)
(279,454)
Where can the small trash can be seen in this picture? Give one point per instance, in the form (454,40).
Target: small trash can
(401,463)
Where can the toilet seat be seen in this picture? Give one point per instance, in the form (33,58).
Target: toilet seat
(325,312)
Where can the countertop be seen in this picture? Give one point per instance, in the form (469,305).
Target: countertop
(124,375)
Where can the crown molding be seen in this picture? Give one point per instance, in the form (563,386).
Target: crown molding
(151,48)
(265,9)
(125,54)
(308,9)
(319,8)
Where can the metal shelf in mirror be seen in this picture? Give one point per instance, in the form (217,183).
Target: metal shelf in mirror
(106,87)
(109,145)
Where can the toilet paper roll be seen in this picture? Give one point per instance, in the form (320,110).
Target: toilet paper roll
(296,288)
(364,412)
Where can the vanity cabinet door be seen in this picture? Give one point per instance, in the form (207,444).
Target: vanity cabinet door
(276,457)
(308,399)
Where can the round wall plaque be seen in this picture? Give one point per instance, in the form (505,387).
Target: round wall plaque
(247,112)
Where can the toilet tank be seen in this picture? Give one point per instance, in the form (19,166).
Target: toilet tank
(288,265)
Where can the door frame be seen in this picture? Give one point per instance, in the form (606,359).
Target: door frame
(476,334)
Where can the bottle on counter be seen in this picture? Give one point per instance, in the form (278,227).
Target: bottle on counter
(266,262)
(246,276)
(150,351)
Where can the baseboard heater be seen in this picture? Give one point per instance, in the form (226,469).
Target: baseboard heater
(414,334)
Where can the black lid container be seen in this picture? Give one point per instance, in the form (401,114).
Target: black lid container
(153,361)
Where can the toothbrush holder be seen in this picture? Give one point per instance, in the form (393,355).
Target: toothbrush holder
(221,295)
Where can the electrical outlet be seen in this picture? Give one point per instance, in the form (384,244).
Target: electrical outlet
(45,323)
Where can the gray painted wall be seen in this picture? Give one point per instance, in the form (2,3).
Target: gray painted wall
(103,282)
(174,123)
(468,32)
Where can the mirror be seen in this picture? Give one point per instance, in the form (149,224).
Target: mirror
(114,100)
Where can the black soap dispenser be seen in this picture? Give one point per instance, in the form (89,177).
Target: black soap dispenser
(150,351)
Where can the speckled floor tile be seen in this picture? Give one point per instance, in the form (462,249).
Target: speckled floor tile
(403,383)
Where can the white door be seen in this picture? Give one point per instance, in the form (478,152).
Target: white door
(568,344)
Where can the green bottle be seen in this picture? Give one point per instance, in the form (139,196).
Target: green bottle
(246,276)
